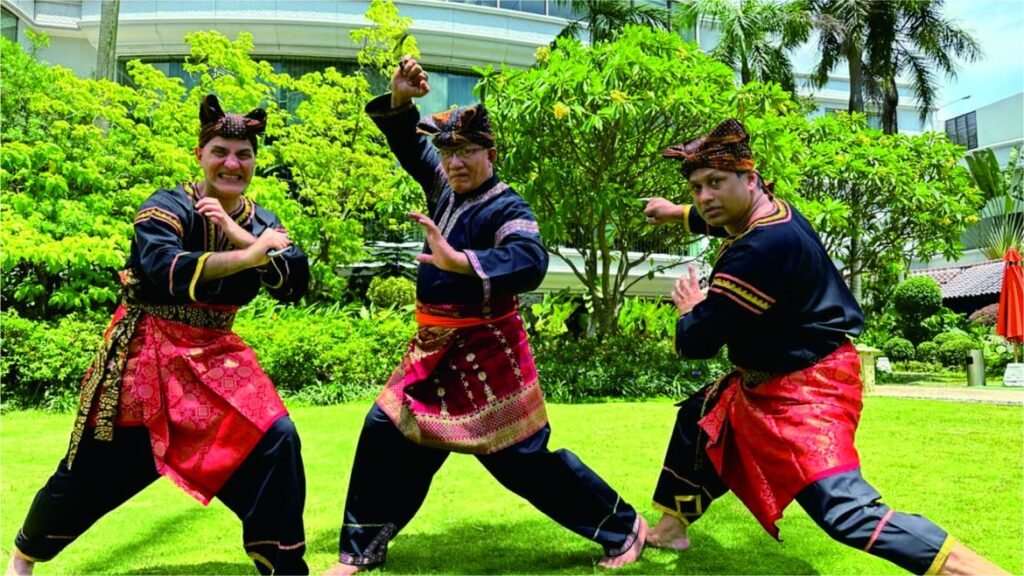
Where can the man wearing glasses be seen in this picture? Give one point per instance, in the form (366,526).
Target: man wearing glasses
(468,382)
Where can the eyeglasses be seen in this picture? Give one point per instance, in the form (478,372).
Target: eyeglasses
(462,153)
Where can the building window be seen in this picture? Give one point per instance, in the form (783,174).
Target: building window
(10,25)
(448,87)
(963,130)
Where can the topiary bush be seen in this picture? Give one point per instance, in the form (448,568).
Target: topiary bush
(914,301)
(918,297)
(390,292)
(899,349)
(954,351)
(928,352)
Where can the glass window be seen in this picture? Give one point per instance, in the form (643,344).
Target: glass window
(448,87)
(10,25)
(531,6)
(491,3)
(562,10)
(964,130)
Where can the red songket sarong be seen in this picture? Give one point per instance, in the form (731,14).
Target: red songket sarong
(770,441)
(198,389)
(467,382)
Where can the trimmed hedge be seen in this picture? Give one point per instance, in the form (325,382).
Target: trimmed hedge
(327,355)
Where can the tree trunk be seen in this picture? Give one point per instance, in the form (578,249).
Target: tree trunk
(890,102)
(854,264)
(106,54)
(854,54)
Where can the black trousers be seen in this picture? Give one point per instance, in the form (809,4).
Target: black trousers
(391,476)
(267,492)
(844,505)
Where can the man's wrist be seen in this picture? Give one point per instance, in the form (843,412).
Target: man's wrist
(399,101)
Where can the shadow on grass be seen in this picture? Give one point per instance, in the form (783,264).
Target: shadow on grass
(543,547)
(225,568)
(181,521)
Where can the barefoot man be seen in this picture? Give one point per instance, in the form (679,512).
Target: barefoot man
(780,427)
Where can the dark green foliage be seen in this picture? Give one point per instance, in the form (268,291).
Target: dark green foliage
(326,354)
(43,363)
(899,349)
(954,351)
(915,302)
(391,292)
(620,366)
(928,352)
(917,298)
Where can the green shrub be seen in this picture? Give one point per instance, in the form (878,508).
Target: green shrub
(944,337)
(917,298)
(998,353)
(899,349)
(954,351)
(928,352)
(574,370)
(43,362)
(327,354)
(390,292)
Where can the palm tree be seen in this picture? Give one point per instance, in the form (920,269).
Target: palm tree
(603,19)
(881,40)
(757,35)
(911,37)
(842,27)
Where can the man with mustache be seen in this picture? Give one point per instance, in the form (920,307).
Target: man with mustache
(779,427)
(468,382)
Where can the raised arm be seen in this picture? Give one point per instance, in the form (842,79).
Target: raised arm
(396,116)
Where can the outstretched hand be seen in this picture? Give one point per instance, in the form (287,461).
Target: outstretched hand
(409,81)
(442,254)
(661,211)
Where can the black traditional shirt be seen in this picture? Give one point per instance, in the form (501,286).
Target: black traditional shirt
(172,241)
(775,297)
(492,225)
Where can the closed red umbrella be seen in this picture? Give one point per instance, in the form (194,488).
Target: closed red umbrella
(1010,321)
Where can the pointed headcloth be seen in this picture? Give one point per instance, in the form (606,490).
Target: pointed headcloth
(459,127)
(727,147)
(214,122)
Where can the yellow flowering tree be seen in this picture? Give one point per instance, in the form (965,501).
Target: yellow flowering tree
(879,201)
(581,133)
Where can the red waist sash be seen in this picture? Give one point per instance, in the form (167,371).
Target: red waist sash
(198,389)
(770,441)
(467,383)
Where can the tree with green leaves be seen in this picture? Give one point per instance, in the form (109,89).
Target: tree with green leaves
(71,187)
(581,136)
(603,20)
(756,35)
(878,201)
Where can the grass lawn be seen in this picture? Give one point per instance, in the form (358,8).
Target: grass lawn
(962,465)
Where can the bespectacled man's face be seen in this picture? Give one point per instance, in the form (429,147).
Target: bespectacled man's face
(467,167)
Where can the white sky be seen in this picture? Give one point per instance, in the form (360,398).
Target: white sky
(998,25)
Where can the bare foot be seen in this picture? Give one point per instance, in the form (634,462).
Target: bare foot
(19,565)
(633,553)
(339,569)
(669,533)
(963,560)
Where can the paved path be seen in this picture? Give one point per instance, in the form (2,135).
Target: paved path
(965,394)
